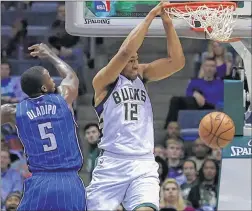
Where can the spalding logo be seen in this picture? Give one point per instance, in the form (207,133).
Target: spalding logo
(97,21)
(239,151)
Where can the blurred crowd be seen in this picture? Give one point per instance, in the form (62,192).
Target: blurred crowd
(188,169)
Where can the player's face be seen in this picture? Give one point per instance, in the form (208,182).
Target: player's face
(189,169)
(131,69)
(12,203)
(209,171)
(48,82)
(174,151)
(209,68)
(5,159)
(170,192)
(92,135)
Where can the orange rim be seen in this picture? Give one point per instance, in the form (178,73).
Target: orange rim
(195,5)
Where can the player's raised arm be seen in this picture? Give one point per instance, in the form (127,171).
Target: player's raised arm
(175,61)
(8,114)
(70,83)
(130,46)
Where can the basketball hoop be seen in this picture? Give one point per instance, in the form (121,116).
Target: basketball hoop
(217,19)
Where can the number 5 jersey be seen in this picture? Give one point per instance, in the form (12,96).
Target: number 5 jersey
(47,130)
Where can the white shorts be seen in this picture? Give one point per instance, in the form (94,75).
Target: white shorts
(133,182)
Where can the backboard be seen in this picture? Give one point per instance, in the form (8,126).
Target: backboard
(116,18)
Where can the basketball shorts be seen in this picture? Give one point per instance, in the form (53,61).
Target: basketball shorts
(133,182)
(57,191)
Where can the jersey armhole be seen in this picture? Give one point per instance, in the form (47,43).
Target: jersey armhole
(144,80)
(110,90)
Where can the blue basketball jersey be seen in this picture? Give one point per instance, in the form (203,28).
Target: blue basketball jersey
(47,130)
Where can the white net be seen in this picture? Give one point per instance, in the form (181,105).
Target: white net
(218,22)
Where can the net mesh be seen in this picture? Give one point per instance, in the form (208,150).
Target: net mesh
(217,22)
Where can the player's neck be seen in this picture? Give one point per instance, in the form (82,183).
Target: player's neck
(36,95)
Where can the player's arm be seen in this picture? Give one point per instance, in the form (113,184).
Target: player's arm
(70,83)
(175,61)
(130,46)
(8,114)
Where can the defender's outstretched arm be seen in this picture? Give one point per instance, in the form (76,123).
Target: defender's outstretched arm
(70,83)
(109,74)
(175,61)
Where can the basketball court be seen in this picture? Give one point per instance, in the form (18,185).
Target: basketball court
(118,18)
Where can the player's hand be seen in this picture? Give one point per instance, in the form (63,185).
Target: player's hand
(166,17)
(157,10)
(199,99)
(40,50)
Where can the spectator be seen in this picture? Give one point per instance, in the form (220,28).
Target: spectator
(21,166)
(190,171)
(63,43)
(92,135)
(5,145)
(11,179)
(217,155)
(12,201)
(205,93)
(11,91)
(159,150)
(222,58)
(200,151)
(17,45)
(162,170)
(173,130)
(174,152)
(205,193)
(170,196)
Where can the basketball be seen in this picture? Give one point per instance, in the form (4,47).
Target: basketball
(216,130)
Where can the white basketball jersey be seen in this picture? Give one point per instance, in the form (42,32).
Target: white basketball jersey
(126,119)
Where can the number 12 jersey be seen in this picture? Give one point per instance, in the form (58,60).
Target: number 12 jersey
(126,119)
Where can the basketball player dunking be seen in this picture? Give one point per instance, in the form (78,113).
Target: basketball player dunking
(47,129)
(126,170)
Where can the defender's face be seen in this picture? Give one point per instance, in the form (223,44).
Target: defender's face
(48,82)
(131,69)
